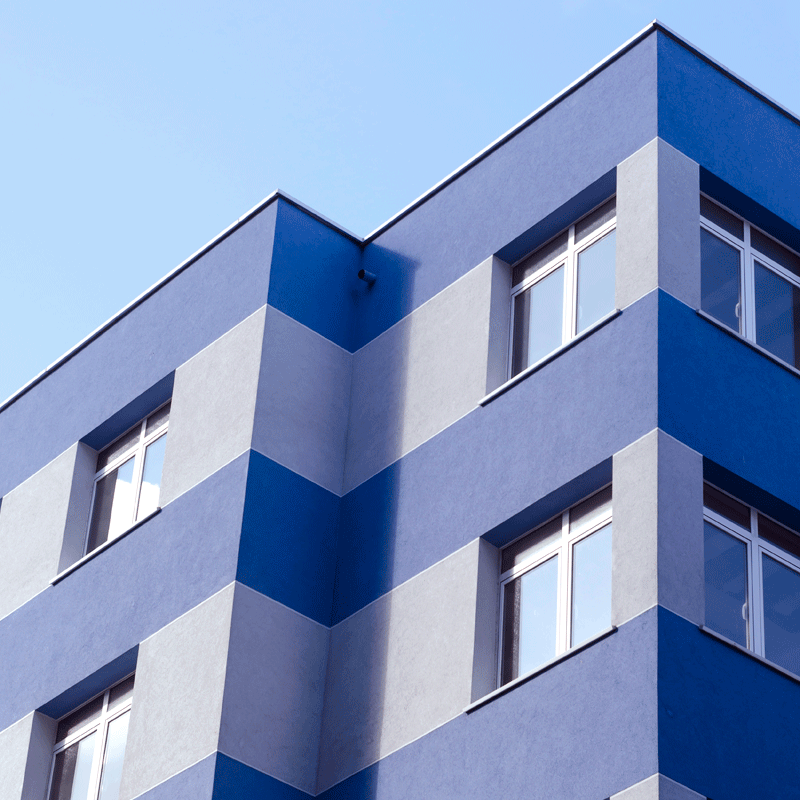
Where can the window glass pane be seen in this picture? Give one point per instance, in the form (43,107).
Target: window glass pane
(115,752)
(771,249)
(157,419)
(590,511)
(726,585)
(73,771)
(120,693)
(726,506)
(778,535)
(777,315)
(543,256)
(596,281)
(538,316)
(722,218)
(529,624)
(591,585)
(535,542)
(113,505)
(151,476)
(592,222)
(83,716)
(781,614)
(719,279)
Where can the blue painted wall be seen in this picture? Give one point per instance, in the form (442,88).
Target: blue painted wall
(728,130)
(314,277)
(113,602)
(570,416)
(288,542)
(236,781)
(728,726)
(727,401)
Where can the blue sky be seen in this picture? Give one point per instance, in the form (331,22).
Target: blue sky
(132,135)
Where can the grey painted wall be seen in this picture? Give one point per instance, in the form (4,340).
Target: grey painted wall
(177,700)
(657,787)
(213,406)
(26,750)
(32,521)
(303,401)
(658,529)
(401,666)
(274,685)
(421,375)
(658,229)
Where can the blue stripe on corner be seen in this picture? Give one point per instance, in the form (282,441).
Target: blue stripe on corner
(288,544)
(236,781)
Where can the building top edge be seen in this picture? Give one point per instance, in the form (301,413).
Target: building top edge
(653,26)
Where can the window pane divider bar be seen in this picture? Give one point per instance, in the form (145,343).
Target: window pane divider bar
(520,376)
(507,687)
(96,552)
(755,656)
(735,335)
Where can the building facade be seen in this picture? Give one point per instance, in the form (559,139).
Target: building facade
(323,516)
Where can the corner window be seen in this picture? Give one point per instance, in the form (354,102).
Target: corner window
(563,288)
(555,586)
(750,283)
(90,747)
(128,480)
(752,579)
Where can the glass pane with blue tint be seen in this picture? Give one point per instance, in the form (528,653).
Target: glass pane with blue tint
(781,587)
(151,476)
(719,279)
(115,752)
(538,314)
(726,585)
(113,505)
(724,219)
(72,771)
(591,585)
(596,281)
(777,315)
(537,615)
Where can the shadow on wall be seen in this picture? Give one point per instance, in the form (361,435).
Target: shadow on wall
(359,702)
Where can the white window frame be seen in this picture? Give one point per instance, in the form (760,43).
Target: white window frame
(566,545)
(568,259)
(756,546)
(136,451)
(98,725)
(746,312)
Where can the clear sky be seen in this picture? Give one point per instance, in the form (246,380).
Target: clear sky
(131,135)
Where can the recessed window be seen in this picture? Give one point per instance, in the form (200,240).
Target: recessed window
(750,282)
(128,480)
(555,586)
(752,579)
(90,747)
(563,288)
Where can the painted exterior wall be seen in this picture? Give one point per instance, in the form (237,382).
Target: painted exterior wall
(316,603)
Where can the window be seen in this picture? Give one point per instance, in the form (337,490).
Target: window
(90,746)
(750,282)
(752,577)
(563,288)
(555,586)
(128,480)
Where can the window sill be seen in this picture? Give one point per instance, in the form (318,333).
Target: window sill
(752,345)
(761,660)
(520,376)
(507,687)
(102,548)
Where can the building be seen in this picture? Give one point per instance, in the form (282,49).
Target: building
(372,559)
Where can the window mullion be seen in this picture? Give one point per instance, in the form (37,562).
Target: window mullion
(138,471)
(748,301)
(563,604)
(569,289)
